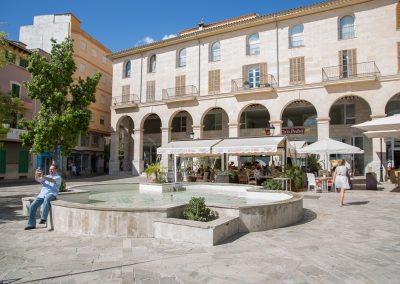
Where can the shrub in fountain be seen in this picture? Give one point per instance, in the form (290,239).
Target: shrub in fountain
(155,173)
(196,210)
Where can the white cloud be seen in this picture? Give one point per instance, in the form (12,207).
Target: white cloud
(145,40)
(169,36)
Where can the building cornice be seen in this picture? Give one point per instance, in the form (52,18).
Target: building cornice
(238,25)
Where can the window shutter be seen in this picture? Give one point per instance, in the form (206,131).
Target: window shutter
(302,70)
(150,90)
(352,62)
(398,16)
(297,75)
(214,81)
(180,82)
(398,56)
(263,74)
(341,69)
(125,93)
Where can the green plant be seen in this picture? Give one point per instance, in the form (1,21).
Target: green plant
(313,165)
(156,170)
(63,187)
(272,184)
(246,83)
(296,175)
(196,210)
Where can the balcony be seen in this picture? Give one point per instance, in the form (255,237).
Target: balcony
(125,101)
(261,84)
(342,74)
(180,94)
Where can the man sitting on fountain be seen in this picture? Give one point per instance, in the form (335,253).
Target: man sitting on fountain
(51,185)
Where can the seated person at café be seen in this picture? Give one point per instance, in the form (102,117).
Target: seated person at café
(231,166)
(200,171)
(189,171)
(266,171)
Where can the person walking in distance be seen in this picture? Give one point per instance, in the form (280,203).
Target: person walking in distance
(51,186)
(341,180)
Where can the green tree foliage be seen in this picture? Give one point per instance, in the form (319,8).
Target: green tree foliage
(63,114)
(11,112)
(3,46)
(196,210)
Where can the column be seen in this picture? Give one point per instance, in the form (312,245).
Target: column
(197,131)
(375,164)
(138,164)
(113,165)
(165,139)
(323,127)
(278,126)
(233,129)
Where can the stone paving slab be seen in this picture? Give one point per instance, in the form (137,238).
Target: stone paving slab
(356,243)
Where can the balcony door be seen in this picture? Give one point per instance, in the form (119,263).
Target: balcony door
(348,63)
(254,77)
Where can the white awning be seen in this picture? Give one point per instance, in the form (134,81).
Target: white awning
(383,134)
(250,146)
(294,146)
(195,147)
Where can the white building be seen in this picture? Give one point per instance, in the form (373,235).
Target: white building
(312,72)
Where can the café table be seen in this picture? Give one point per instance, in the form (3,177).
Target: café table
(285,182)
(324,182)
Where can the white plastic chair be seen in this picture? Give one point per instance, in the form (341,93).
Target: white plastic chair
(311,182)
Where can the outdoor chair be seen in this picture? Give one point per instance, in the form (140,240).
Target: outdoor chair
(312,182)
(204,178)
(243,178)
(252,179)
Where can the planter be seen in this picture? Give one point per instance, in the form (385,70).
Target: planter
(222,179)
(370,181)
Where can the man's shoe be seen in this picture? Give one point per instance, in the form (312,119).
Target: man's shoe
(30,227)
(42,221)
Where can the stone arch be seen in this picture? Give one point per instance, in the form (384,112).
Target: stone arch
(151,126)
(252,120)
(214,123)
(393,105)
(180,125)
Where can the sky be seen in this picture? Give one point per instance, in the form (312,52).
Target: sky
(123,24)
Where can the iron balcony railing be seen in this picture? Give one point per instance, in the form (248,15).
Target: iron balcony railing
(125,99)
(350,71)
(257,82)
(188,91)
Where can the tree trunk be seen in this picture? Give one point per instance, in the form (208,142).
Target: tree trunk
(55,156)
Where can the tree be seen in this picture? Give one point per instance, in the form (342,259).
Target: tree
(3,46)
(63,114)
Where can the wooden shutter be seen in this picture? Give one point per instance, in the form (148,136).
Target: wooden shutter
(297,71)
(125,93)
(23,161)
(263,74)
(341,66)
(352,62)
(398,16)
(214,81)
(2,161)
(180,83)
(398,56)
(150,90)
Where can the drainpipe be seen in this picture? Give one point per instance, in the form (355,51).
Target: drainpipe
(141,77)
(277,51)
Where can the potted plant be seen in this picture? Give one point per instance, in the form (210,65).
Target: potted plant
(371,182)
(155,173)
(246,84)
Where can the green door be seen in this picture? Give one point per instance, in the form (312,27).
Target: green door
(23,161)
(2,161)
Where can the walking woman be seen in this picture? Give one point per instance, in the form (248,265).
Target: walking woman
(341,180)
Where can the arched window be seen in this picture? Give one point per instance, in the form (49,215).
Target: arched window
(127,69)
(253,44)
(152,63)
(215,51)
(296,36)
(182,57)
(346,27)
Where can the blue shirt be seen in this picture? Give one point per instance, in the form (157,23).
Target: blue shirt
(50,187)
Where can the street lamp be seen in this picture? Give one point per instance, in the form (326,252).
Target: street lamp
(191,135)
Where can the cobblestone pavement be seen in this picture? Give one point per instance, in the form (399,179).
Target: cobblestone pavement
(356,243)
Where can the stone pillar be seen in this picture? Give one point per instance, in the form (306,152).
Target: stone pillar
(197,131)
(278,126)
(323,127)
(165,139)
(375,164)
(138,164)
(113,165)
(233,129)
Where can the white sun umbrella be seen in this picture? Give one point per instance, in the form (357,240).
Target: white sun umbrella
(381,124)
(327,146)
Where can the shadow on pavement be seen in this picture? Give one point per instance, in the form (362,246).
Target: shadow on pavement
(308,216)
(11,209)
(357,203)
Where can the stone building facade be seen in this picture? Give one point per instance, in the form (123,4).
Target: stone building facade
(311,72)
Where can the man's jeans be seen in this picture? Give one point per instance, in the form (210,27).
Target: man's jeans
(45,210)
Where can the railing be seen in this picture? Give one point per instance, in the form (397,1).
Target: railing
(244,84)
(180,92)
(350,71)
(125,99)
